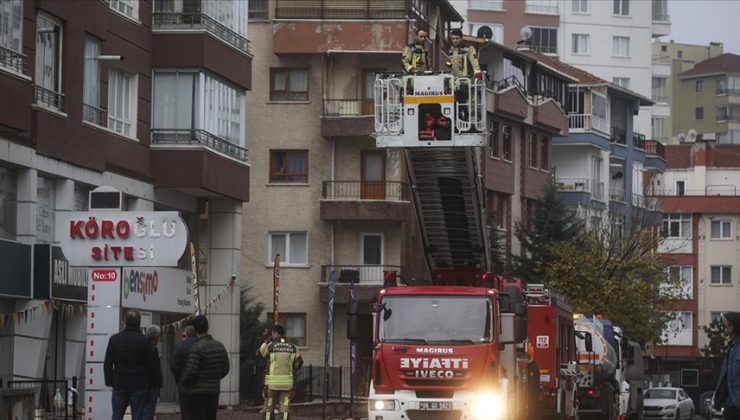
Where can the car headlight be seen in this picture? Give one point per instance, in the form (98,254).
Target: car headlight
(384,405)
(488,405)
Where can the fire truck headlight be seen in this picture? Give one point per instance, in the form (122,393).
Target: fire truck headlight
(384,405)
(488,406)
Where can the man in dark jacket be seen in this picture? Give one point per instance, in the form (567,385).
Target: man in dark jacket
(179,359)
(727,393)
(131,368)
(207,364)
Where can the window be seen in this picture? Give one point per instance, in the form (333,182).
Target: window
(295,327)
(486,4)
(91,82)
(547,7)
(729,137)
(499,204)
(288,84)
(11,35)
(493,140)
(129,8)
(676,225)
(728,85)
(728,113)
(292,247)
(580,44)
(699,86)
(699,113)
(545,153)
(681,275)
(622,82)
(678,331)
(721,113)
(580,6)
(532,150)
(721,229)
(621,46)
(679,54)
(289,166)
(680,188)
(48,62)
(506,143)
(659,129)
(660,89)
(545,40)
(258,10)
(622,7)
(122,95)
(721,274)
(660,10)
(664,48)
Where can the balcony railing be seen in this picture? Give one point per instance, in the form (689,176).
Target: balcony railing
(341,9)
(364,274)
(586,122)
(201,137)
(498,85)
(258,9)
(542,8)
(638,140)
(654,148)
(707,191)
(186,20)
(728,91)
(347,107)
(616,194)
(366,190)
(12,60)
(662,59)
(94,115)
(619,135)
(48,98)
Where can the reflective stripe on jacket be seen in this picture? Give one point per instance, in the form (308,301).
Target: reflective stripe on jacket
(283,358)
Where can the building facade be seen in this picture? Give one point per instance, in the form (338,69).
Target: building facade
(145,97)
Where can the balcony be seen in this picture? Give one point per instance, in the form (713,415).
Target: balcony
(582,123)
(367,278)
(340,9)
(586,189)
(347,117)
(618,136)
(638,200)
(11,60)
(655,155)
(365,200)
(48,98)
(661,18)
(616,194)
(638,140)
(94,115)
(190,137)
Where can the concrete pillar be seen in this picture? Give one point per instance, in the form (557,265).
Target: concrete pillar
(27,206)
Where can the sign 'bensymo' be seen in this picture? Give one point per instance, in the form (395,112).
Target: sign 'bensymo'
(122,238)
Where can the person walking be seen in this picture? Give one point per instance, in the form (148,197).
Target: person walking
(283,360)
(153,333)
(179,359)
(415,57)
(727,392)
(207,364)
(131,368)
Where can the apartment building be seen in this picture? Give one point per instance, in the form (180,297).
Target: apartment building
(147,97)
(707,100)
(669,60)
(330,202)
(699,197)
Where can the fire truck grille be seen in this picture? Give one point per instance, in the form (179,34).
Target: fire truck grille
(436,383)
(434,415)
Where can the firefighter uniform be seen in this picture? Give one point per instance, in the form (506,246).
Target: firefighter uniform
(416,57)
(463,61)
(282,360)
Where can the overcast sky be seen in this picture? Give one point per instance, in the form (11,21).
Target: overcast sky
(703,21)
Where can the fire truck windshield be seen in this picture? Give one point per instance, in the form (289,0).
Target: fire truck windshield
(436,320)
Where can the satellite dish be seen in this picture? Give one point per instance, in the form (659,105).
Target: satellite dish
(617,175)
(681,138)
(485,32)
(525,33)
(691,135)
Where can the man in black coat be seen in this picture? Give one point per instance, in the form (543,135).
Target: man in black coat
(208,363)
(131,368)
(179,359)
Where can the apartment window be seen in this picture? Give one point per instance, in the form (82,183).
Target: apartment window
(493,139)
(721,229)
(122,95)
(679,54)
(681,275)
(659,128)
(506,143)
(678,330)
(721,113)
(677,225)
(729,137)
(680,188)
(660,89)
(664,48)
(11,35)
(91,82)
(699,113)
(48,78)
(486,4)
(545,40)
(728,85)
(129,8)
(289,166)
(721,274)
(292,247)
(699,86)
(622,82)
(532,145)
(288,84)
(258,10)
(580,44)
(728,113)
(295,327)
(545,153)
(622,7)
(496,28)
(580,6)
(621,46)
(546,7)
(660,10)
(500,204)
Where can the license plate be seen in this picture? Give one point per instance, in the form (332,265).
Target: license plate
(435,405)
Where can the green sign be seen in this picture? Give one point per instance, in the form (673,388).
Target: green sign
(16,261)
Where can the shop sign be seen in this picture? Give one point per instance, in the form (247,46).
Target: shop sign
(122,238)
(54,278)
(159,289)
(15,276)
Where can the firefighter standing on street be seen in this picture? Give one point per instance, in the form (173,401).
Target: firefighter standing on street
(415,56)
(282,361)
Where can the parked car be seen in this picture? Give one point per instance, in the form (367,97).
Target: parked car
(710,412)
(667,403)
